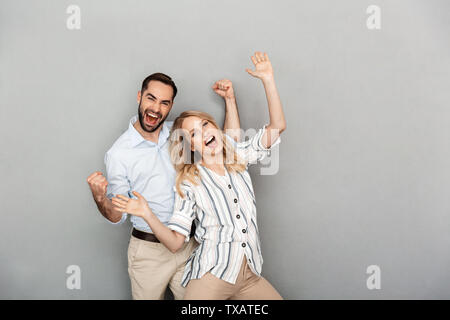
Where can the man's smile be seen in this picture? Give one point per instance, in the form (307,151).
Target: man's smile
(151,118)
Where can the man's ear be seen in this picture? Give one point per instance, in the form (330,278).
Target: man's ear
(139,97)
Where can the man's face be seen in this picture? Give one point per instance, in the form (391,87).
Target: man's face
(154,105)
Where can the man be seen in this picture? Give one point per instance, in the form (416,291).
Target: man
(139,161)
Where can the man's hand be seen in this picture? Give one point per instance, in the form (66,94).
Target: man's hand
(224,88)
(97,182)
(137,207)
(263,67)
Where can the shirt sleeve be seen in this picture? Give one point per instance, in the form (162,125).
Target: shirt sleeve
(183,212)
(116,175)
(252,150)
(231,140)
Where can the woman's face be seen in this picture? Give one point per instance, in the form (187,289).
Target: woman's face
(205,137)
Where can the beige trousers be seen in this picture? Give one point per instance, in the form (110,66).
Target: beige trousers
(152,267)
(248,286)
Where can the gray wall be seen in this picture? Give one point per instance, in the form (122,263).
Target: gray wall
(364,176)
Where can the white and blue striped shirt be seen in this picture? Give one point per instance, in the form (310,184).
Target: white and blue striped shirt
(224,211)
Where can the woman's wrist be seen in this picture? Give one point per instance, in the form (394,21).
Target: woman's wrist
(148,214)
(269,79)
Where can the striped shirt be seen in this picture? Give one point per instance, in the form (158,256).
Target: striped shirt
(224,211)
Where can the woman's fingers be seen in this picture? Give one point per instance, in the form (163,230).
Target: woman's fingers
(122,197)
(118,204)
(119,201)
(250,72)
(138,195)
(259,56)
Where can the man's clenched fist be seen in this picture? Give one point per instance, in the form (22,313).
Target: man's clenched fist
(97,182)
(224,88)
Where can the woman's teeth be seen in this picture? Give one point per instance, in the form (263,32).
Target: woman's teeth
(209,140)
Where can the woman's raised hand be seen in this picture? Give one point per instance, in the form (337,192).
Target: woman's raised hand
(263,67)
(137,207)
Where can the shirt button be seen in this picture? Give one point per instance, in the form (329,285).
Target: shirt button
(238,216)
(249,260)
(244,245)
(235,200)
(229,186)
(244,231)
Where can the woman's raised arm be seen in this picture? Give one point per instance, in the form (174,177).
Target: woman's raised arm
(264,72)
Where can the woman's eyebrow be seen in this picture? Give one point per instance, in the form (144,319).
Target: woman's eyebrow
(194,128)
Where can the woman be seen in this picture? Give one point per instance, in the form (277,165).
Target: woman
(216,192)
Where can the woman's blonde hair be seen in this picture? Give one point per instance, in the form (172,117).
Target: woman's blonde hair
(184,159)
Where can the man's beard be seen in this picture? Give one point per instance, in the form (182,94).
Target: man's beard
(142,122)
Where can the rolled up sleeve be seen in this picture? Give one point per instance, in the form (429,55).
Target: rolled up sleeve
(184,212)
(116,175)
(253,150)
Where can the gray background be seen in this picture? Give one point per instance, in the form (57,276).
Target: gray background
(364,176)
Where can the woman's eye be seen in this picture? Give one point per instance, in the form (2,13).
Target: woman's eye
(205,123)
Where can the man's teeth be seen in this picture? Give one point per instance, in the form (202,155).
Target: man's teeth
(150,115)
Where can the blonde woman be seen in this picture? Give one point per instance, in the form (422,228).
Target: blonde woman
(214,189)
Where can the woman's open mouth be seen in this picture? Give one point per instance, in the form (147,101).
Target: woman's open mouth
(211,142)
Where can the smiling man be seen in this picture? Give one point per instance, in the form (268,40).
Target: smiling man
(139,161)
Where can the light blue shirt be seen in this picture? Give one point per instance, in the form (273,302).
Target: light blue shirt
(136,164)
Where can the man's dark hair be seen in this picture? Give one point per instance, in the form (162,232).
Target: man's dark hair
(161,77)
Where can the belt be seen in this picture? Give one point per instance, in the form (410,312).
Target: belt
(151,237)
(144,235)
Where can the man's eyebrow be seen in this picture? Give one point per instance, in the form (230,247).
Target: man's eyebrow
(149,94)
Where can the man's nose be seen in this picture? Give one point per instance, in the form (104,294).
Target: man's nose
(156,107)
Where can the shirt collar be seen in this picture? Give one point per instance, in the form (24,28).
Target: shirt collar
(136,138)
